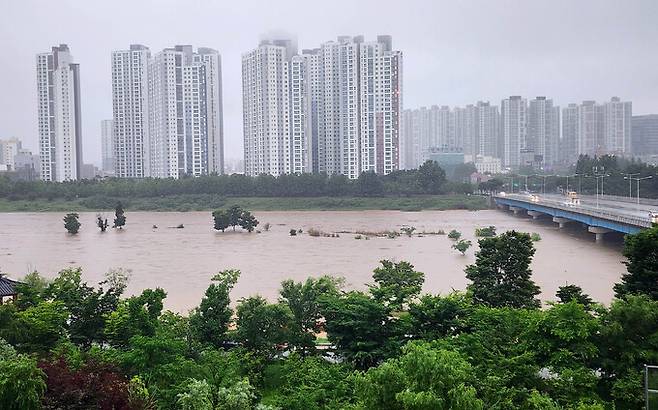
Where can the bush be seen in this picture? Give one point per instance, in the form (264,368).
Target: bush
(293,232)
(487,232)
(535,237)
(454,234)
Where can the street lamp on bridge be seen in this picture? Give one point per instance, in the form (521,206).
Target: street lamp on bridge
(638,184)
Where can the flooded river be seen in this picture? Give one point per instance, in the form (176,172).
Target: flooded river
(182,261)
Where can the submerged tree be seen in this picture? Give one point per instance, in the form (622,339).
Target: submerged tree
(221,221)
(462,246)
(120,218)
(501,274)
(71,223)
(101,223)
(247,221)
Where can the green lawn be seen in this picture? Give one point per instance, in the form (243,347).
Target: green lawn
(203,202)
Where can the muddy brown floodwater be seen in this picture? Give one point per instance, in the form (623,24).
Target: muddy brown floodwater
(182,261)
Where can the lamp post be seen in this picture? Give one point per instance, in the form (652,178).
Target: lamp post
(630,183)
(638,184)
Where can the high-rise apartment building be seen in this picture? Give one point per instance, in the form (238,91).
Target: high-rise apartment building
(266,107)
(645,134)
(568,146)
(334,109)
(167,112)
(107,147)
(60,131)
(617,126)
(513,113)
(543,130)
(9,148)
(130,112)
(590,132)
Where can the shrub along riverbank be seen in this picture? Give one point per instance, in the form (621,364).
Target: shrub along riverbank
(205,202)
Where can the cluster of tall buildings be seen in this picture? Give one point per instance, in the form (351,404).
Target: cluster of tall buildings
(167,114)
(520,132)
(334,109)
(18,161)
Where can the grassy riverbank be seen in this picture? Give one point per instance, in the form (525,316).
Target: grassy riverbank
(204,202)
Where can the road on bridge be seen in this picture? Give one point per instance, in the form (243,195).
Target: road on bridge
(589,202)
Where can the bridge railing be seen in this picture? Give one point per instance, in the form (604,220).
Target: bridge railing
(584,209)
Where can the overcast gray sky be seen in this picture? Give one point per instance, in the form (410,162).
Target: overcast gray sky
(455,52)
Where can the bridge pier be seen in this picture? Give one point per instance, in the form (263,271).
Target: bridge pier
(516,210)
(560,221)
(599,232)
(535,215)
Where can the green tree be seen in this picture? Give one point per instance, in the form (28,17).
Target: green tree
(422,378)
(36,329)
(234,213)
(303,299)
(262,327)
(248,222)
(71,223)
(462,246)
(501,274)
(135,316)
(641,252)
(360,327)
(628,339)
(211,320)
(431,177)
(31,290)
(197,396)
(434,317)
(221,220)
(119,217)
(396,284)
(314,383)
(370,184)
(21,382)
(568,293)
(454,235)
(239,396)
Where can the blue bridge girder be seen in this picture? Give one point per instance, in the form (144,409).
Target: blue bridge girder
(589,217)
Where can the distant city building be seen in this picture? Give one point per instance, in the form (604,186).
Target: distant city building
(543,131)
(448,161)
(513,113)
(60,131)
(645,134)
(617,126)
(107,148)
(130,101)
(9,148)
(568,146)
(27,165)
(472,130)
(89,171)
(265,102)
(485,164)
(335,109)
(167,112)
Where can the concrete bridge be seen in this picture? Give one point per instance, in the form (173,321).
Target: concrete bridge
(601,215)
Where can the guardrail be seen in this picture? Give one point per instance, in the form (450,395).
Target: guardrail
(583,209)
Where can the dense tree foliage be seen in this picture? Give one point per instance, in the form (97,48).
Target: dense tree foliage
(641,255)
(119,216)
(501,274)
(66,344)
(71,223)
(428,179)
